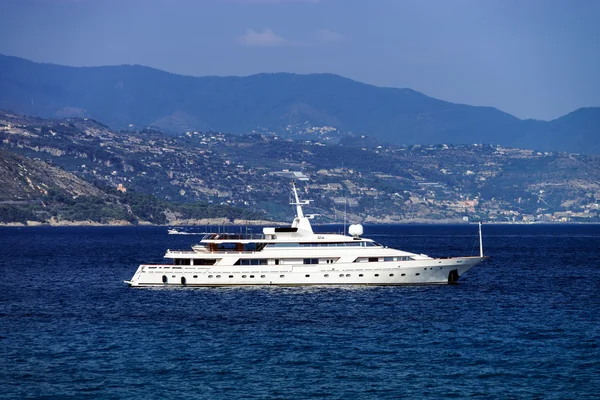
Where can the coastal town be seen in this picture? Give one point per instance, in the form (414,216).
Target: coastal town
(347,177)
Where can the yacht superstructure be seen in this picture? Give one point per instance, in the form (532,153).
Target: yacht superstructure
(297,256)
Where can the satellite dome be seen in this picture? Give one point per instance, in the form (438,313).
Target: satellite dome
(355,230)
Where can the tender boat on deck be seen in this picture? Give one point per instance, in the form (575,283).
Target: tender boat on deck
(298,256)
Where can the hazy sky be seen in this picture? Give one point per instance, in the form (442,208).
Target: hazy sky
(531,58)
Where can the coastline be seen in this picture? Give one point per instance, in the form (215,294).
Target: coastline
(185,222)
(226,222)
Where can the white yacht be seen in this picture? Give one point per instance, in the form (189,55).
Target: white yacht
(298,256)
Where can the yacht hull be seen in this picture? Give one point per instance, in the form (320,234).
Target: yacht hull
(416,272)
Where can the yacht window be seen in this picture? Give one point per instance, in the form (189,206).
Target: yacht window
(334,244)
(204,261)
(251,261)
(277,262)
(226,246)
(388,258)
(181,261)
(249,246)
(373,259)
(311,261)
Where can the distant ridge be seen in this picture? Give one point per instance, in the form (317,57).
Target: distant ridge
(143,96)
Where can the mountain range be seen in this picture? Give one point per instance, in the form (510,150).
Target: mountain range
(129,96)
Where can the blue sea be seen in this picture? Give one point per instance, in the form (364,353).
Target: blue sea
(524,324)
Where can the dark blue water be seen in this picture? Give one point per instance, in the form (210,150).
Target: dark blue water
(525,324)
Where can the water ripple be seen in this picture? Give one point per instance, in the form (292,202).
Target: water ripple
(523,325)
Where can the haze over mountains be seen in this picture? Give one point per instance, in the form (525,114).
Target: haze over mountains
(142,96)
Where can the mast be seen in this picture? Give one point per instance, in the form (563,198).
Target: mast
(480,241)
(301,222)
(297,202)
(345,203)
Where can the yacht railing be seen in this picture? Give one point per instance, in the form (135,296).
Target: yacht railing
(250,236)
(234,236)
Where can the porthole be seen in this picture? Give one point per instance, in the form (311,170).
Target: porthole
(262,276)
(425,269)
(441,267)
(164,279)
(243,276)
(218,276)
(173,276)
(195,276)
(376,274)
(307,276)
(360,275)
(391,274)
(282,276)
(231,276)
(210,276)
(417,274)
(347,275)
(341,275)
(402,274)
(326,275)
(251,276)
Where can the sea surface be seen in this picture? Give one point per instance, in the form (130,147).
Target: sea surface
(524,324)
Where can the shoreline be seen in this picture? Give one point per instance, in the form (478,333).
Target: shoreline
(239,223)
